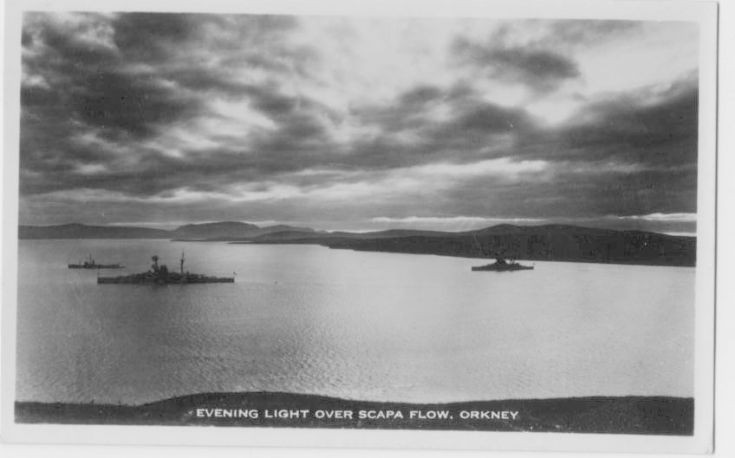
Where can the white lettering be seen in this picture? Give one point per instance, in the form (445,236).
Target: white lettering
(226,413)
(380,415)
(334,414)
(429,414)
(488,414)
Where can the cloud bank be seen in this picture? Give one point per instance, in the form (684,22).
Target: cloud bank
(351,122)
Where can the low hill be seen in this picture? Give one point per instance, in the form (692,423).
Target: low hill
(276,233)
(541,243)
(220,230)
(81,231)
(285,227)
(554,242)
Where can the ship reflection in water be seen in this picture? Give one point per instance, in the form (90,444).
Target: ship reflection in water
(160,275)
(501,265)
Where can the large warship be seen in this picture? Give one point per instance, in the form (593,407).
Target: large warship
(501,265)
(160,275)
(90,263)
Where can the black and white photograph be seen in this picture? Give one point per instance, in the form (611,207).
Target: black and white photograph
(280,221)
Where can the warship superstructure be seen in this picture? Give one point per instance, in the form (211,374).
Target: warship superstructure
(160,275)
(501,265)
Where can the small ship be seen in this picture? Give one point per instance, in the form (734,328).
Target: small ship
(160,275)
(501,265)
(90,263)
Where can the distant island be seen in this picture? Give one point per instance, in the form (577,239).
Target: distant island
(221,231)
(553,242)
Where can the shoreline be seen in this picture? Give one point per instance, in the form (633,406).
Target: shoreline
(548,242)
(659,415)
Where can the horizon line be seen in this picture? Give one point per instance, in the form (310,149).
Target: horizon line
(527,222)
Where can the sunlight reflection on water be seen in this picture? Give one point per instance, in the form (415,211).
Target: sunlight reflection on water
(374,326)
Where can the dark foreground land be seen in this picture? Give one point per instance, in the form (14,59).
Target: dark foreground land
(617,415)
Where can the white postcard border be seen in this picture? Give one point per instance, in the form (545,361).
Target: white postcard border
(705,13)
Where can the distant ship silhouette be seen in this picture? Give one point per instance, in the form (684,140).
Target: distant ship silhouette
(90,263)
(501,265)
(160,275)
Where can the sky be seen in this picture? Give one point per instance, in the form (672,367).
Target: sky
(357,123)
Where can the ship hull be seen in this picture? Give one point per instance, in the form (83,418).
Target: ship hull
(143,279)
(100,266)
(496,268)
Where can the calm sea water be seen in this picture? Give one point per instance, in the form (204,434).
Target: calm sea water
(374,326)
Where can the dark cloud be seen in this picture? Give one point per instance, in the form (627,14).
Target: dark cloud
(629,154)
(466,129)
(134,105)
(102,85)
(645,126)
(542,70)
(489,118)
(26,39)
(418,96)
(129,90)
(149,37)
(616,140)
(654,130)
(88,83)
(154,36)
(637,155)
(575,195)
(66,47)
(272,103)
(103,95)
